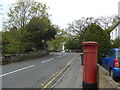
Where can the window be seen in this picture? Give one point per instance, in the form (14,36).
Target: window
(118,54)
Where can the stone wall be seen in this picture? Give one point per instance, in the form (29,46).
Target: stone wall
(6,59)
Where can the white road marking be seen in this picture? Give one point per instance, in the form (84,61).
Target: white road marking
(47,60)
(51,59)
(58,56)
(17,70)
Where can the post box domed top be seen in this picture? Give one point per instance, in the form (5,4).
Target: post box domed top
(89,43)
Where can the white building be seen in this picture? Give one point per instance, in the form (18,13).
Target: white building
(115,33)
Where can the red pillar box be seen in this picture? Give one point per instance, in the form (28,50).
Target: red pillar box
(90,64)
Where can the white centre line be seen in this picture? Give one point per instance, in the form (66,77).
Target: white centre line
(58,56)
(47,60)
(17,70)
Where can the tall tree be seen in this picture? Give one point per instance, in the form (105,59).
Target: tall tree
(107,22)
(21,13)
(78,26)
(29,27)
(41,31)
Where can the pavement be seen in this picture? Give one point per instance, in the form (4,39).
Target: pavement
(72,78)
(105,81)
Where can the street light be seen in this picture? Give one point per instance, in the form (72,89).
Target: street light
(43,43)
(63,47)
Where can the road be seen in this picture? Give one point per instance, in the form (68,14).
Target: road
(35,72)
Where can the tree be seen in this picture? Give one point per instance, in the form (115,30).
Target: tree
(116,43)
(96,33)
(23,11)
(41,31)
(29,27)
(73,44)
(11,42)
(78,26)
(60,38)
(116,19)
(105,22)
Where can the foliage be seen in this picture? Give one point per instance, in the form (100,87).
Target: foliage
(109,30)
(27,28)
(13,42)
(91,29)
(73,44)
(41,31)
(60,38)
(23,11)
(77,27)
(96,33)
(107,22)
(116,43)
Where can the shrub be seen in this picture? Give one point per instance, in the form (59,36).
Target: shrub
(96,33)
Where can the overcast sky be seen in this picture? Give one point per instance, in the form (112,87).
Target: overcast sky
(66,11)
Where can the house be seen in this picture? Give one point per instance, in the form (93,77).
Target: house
(115,33)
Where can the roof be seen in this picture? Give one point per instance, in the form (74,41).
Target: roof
(115,26)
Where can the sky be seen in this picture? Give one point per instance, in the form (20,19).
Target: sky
(66,11)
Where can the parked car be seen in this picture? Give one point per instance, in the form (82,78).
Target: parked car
(111,63)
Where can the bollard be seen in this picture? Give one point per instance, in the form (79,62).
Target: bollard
(81,55)
(90,65)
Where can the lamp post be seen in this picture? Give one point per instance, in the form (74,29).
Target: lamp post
(43,43)
(63,47)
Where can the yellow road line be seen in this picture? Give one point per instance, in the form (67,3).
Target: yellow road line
(54,78)
(54,75)
(58,73)
(70,62)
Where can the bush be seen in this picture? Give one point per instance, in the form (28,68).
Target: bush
(73,44)
(96,33)
(116,43)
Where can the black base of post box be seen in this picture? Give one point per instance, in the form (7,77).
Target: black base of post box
(89,86)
